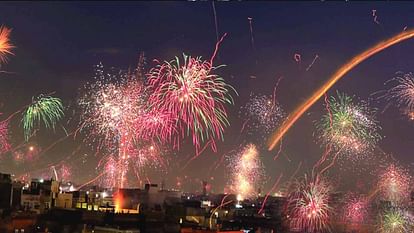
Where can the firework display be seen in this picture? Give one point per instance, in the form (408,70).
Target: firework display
(5,45)
(112,109)
(308,206)
(193,95)
(111,105)
(109,165)
(403,93)
(395,184)
(348,126)
(65,173)
(4,137)
(128,126)
(247,172)
(356,209)
(262,114)
(43,109)
(115,111)
(394,221)
(295,115)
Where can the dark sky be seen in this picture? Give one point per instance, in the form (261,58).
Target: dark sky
(58,44)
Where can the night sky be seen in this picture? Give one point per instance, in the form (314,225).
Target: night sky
(57,45)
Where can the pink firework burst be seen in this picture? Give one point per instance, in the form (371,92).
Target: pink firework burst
(65,172)
(193,95)
(112,105)
(110,168)
(355,209)
(308,207)
(115,109)
(395,184)
(4,137)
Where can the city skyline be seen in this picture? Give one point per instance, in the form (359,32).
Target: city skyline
(301,45)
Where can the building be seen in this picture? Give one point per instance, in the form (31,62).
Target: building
(64,200)
(40,196)
(6,192)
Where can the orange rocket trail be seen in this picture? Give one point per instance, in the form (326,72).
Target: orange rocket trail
(295,115)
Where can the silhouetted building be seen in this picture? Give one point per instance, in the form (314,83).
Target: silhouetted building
(6,192)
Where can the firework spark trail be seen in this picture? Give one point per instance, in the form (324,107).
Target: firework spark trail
(22,144)
(280,150)
(55,172)
(5,45)
(215,20)
(251,33)
(313,62)
(216,49)
(275,88)
(268,193)
(198,153)
(56,164)
(335,157)
(329,146)
(322,159)
(91,181)
(296,171)
(214,210)
(296,114)
(375,16)
(56,142)
(217,164)
(297,57)
(243,126)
